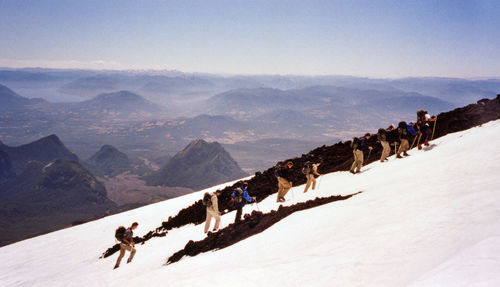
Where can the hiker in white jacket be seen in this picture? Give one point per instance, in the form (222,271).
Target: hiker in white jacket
(213,211)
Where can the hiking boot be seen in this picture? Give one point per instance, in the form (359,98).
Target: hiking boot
(405,154)
(282,199)
(426,143)
(116,266)
(399,156)
(352,171)
(419,146)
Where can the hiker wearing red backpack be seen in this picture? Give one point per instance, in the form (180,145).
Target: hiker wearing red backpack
(127,244)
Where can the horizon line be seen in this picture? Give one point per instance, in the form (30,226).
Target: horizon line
(226,74)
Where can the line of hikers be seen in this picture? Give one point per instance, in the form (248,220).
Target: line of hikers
(239,198)
(420,131)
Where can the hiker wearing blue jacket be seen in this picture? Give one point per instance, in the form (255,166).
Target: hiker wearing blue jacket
(240,197)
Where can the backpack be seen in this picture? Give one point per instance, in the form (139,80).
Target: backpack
(238,195)
(382,135)
(421,116)
(119,233)
(411,130)
(355,143)
(277,172)
(207,199)
(307,168)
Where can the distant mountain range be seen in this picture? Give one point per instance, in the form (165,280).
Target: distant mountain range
(149,114)
(327,102)
(199,165)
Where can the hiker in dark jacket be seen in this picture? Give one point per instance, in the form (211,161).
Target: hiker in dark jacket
(393,137)
(424,129)
(127,244)
(404,137)
(240,197)
(358,150)
(285,177)
(213,211)
(383,138)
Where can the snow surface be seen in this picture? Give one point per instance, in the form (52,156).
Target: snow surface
(431,219)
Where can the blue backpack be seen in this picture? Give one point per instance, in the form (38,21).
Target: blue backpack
(238,195)
(411,130)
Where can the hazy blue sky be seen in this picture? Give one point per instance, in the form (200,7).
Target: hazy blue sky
(364,38)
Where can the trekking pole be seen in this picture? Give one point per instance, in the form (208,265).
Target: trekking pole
(434,128)
(414,138)
(366,160)
(256,204)
(395,148)
(319,181)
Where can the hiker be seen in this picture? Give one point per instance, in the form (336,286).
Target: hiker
(212,204)
(127,243)
(285,176)
(240,197)
(310,170)
(424,130)
(404,138)
(392,138)
(382,136)
(359,146)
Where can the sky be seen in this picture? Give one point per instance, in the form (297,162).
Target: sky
(388,39)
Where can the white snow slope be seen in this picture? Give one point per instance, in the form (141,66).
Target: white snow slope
(432,219)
